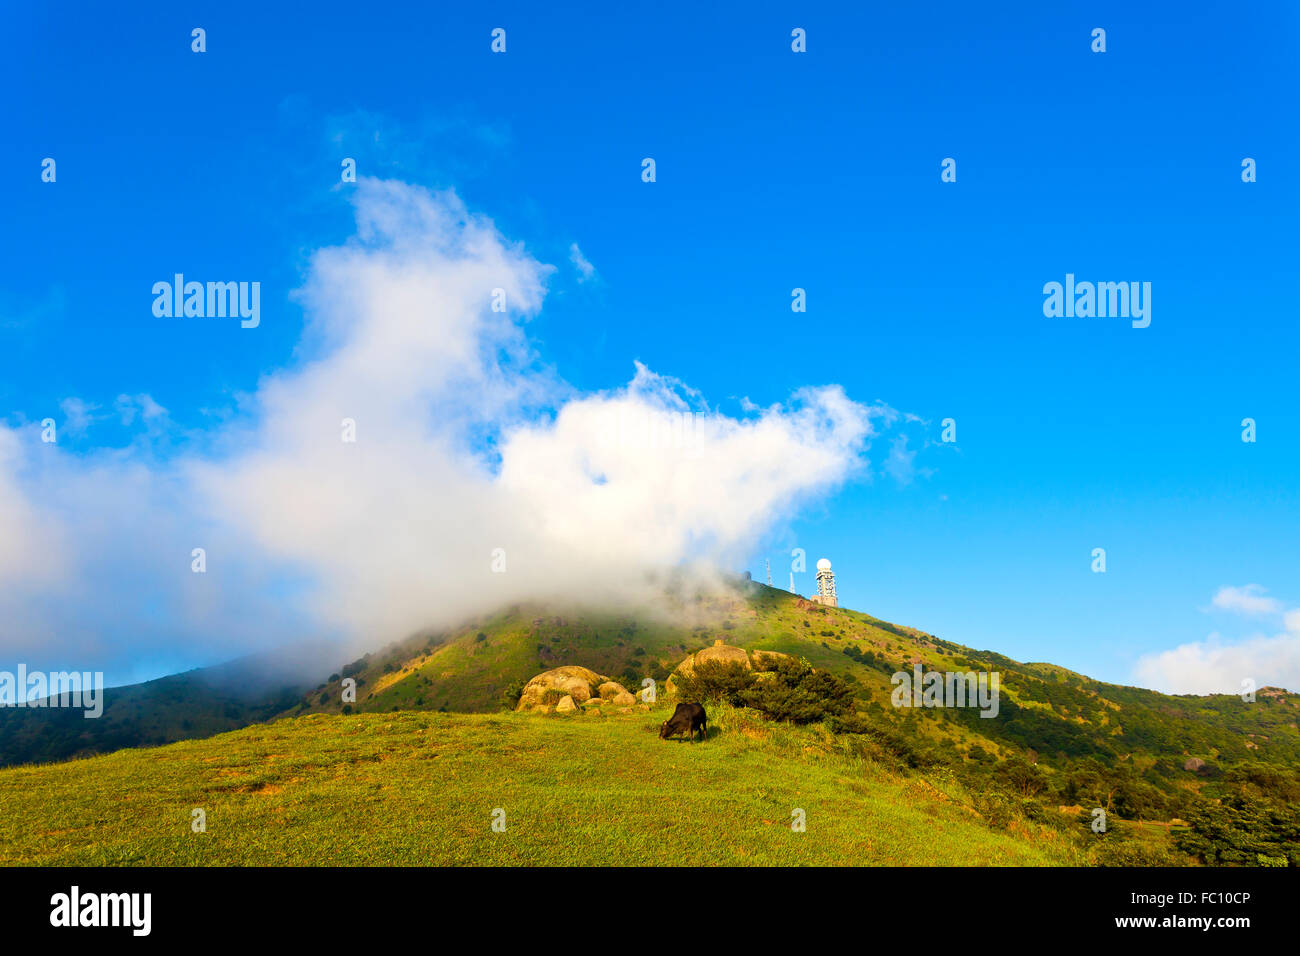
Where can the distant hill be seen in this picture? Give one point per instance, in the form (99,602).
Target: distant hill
(196,703)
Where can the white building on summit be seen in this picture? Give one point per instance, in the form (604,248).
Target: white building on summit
(825,585)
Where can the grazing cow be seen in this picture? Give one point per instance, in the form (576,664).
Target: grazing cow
(686,719)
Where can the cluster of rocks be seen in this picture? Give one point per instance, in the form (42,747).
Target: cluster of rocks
(570,689)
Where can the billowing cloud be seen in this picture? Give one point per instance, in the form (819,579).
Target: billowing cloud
(1214,666)
(413,467)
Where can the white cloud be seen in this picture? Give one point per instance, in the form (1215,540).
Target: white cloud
(585,269)
(78,415)
(143,405)
(1249,600)
(29,547)
(462,447)
(899,464)
(1216,665)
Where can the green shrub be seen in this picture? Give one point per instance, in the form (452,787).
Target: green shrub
(1113,851)
(1239,829)
(793,690)
(995,807)
(851,722)
(510,696)
(716,682)
(782,688)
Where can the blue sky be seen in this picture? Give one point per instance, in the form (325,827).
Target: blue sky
(775,170)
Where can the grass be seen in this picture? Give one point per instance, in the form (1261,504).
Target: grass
(420,788)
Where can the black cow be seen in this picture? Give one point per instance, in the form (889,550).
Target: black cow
(686,719)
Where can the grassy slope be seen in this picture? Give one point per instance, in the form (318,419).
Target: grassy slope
(420,788)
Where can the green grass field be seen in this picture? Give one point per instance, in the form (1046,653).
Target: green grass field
(420,788)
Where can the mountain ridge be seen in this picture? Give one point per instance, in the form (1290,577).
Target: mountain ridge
(1050,717)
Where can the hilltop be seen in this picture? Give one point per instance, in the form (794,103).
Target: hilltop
(1048,715)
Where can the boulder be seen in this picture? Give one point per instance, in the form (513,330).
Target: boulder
(1194,764)
(721,651)
(623,699)
(566,705)
(611,689)
(571,681)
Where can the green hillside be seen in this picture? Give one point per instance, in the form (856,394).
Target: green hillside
(390,777)
(1060,740)
(1048,715)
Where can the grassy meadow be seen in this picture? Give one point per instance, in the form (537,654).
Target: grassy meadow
(420,788)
